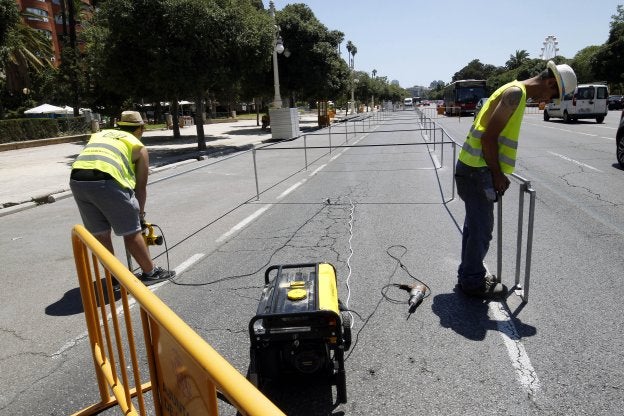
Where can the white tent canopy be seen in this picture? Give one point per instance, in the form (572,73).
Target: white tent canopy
(46,109)
(52,109)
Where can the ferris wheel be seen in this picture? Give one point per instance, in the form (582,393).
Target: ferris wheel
(550,47)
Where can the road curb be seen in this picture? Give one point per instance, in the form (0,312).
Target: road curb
(4,147)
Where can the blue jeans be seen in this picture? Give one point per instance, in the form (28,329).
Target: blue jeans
(475,188)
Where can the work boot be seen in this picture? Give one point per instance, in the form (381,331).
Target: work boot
(489,289)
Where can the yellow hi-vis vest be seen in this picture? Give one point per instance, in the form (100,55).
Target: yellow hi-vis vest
(472,152)
(110,151)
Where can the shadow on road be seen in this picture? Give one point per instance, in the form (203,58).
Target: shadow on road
(469,316)
(71,302)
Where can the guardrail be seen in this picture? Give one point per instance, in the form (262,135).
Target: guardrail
(185,373)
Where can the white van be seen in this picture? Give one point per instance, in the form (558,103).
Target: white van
(587,101)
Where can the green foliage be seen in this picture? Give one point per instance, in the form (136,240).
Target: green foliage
(582,64)
(476,70)
(22,129)
(314,69)
(177,48)
(9,18)
(608,62)
(517,59)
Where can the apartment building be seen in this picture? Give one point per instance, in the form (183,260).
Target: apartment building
(51,17)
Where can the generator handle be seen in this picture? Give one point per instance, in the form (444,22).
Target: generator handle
(290,266)
(268,271)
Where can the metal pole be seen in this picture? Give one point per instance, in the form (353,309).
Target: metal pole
(441,150)
(499,240)
(253,152)
(277,100)
(305,150)
(527,273)
(129,258)
(330,145)
(519,236)
(347,130)
(454,164)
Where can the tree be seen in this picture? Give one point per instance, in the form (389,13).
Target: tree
(314,69)
(24,53)
(608,62)
(172,49)
(475,70)
(582,64)
(9,18)
(517,59)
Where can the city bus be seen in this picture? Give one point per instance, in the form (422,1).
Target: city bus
(408,103)
(461,97)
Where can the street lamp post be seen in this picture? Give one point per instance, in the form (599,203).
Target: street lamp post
(284,121)
(352,49)
(278,48)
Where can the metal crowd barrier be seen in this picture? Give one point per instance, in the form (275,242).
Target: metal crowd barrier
(185,373)
(525,188)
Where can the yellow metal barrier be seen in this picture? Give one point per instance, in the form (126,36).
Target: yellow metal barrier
(186,371)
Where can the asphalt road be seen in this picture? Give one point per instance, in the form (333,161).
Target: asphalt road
(360,208)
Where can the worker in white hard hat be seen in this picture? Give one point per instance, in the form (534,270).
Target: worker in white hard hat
(487,156)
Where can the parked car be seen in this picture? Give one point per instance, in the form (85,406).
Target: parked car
(480,105)
(619,142)
(587,101)
(615,102)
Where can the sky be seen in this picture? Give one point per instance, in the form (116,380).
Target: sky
(417,42)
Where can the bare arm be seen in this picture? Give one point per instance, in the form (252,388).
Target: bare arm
(141,159)
(501,114)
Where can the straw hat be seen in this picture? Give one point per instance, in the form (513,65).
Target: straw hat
(565,76)
(131,118)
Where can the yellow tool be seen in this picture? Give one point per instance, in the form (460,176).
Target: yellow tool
(150,237)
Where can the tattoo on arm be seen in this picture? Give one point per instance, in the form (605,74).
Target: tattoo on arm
(512,98)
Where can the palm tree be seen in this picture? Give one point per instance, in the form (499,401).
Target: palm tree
(517,60)
(25,50)
(352,49)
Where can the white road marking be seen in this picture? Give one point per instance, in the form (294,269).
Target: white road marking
(436,162)
(519,359)
(244,223)
(572,131)
(189,262)
(317,170)
(575,161)
(292,188)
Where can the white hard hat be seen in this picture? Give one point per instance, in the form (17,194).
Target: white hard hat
(565,76)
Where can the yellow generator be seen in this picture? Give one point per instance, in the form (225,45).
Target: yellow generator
(299,329)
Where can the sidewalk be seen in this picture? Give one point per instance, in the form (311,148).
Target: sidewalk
(35,175)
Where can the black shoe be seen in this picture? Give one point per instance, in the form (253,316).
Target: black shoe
(158,275)
(115,283)
(489,289)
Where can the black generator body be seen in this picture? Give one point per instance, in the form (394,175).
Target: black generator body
(299,329)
